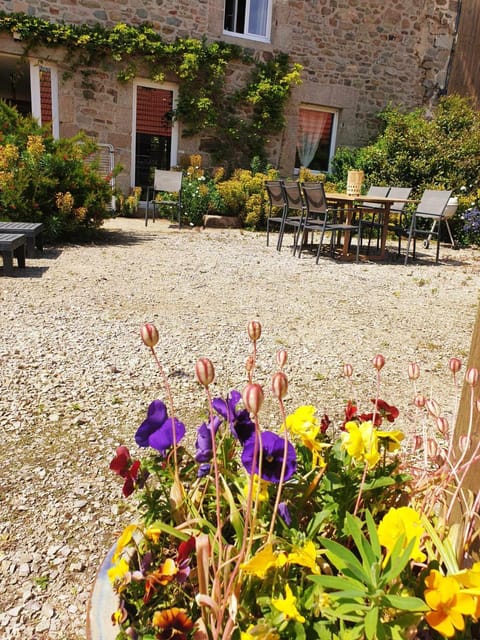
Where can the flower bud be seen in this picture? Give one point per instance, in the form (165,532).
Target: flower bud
(432,448)
(472,376)
(249,363)
(253,398)
(463,443)
(413,371)
(347,370)
(454,364)
(204,371)
(279,385)
(433,408)
(378,361)
(419,401)
(417,442)
(442,426)
(281,358)
(149,334)
(254,330)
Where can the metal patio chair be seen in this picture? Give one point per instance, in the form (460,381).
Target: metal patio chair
(431,209)
(276,199)
(295,211)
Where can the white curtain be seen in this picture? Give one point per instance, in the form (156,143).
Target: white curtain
(312,127)
(257,19)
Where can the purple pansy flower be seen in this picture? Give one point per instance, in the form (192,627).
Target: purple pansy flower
(157,430)
(204,445)
(272,457)
(285,513)
(239,420)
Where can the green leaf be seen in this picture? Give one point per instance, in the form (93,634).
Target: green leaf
(405,603)
(166,528)
(398,560)
(343,559)
(371,623)
(354,528)
(373,534)
(339,583)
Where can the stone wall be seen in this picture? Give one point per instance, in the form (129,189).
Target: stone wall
(358,56)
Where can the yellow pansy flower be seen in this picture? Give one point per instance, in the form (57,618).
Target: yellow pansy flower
(361,442)
(303,422)
(264,560)
(448,603)
(153,533)
(123,540)
(402,521)
(391,439)
(305,556)
(287,606)
(259,631)
(259,489)
(118,571)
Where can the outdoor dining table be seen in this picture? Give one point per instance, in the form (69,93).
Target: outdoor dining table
(349,204)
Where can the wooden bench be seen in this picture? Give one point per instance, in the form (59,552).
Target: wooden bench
(12,244)
(31,230)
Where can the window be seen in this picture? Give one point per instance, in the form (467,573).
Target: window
(44,88)
(315,138)
(249,18)
(155,133)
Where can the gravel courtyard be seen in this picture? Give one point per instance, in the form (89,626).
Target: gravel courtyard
(75,379)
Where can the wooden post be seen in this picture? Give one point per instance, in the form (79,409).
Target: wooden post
(472,480)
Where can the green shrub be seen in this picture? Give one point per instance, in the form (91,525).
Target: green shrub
(51,181)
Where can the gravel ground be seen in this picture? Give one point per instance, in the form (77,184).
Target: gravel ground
(75,378)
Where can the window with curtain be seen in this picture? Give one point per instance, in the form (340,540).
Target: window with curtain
(250,18)
(315,139)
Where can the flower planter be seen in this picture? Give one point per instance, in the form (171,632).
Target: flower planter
(103,602)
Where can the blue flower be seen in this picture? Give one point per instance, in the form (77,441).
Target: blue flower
(157,430)
(272,457)
(285,513)
(239,420)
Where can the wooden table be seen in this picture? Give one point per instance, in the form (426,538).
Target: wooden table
(349,203)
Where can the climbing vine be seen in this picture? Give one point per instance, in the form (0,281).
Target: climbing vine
(239,122)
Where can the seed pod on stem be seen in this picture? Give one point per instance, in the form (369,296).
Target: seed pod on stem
(419,401)
(378,361)
(347,370)
(149,335)
(281,358)
(433,408)
(253,398)
(454,364)
(472,376)
(442,426)
(279,385)
(254,330)
(204,371)
(413,371)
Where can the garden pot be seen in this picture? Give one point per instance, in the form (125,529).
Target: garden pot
(103,602)
(451,208)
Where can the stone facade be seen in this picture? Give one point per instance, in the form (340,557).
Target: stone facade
(357,57)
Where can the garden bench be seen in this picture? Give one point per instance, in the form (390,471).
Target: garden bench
(12,244)
(31,230)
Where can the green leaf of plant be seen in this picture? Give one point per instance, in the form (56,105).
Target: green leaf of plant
(405,603)
(398,560)
(344,560)
(341,584)
(373,534)
(371,623)
(354,528)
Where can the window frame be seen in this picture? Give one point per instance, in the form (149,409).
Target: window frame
(246,35)
(35,67)
(333,135)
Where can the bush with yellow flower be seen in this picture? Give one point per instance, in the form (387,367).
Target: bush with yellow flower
(306,529)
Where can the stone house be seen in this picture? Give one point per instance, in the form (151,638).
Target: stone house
(357,57)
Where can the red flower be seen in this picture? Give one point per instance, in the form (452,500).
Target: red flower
(124,466)
(350,413)
(325,422)
(389,412)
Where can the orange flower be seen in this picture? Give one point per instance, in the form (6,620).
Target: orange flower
(448,603)
(172,623)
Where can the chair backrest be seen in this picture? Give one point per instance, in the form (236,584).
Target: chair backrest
(399,192)
(170,181)
(380,192)
(275,193)
(293,196)
(433,203)
(315,200)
